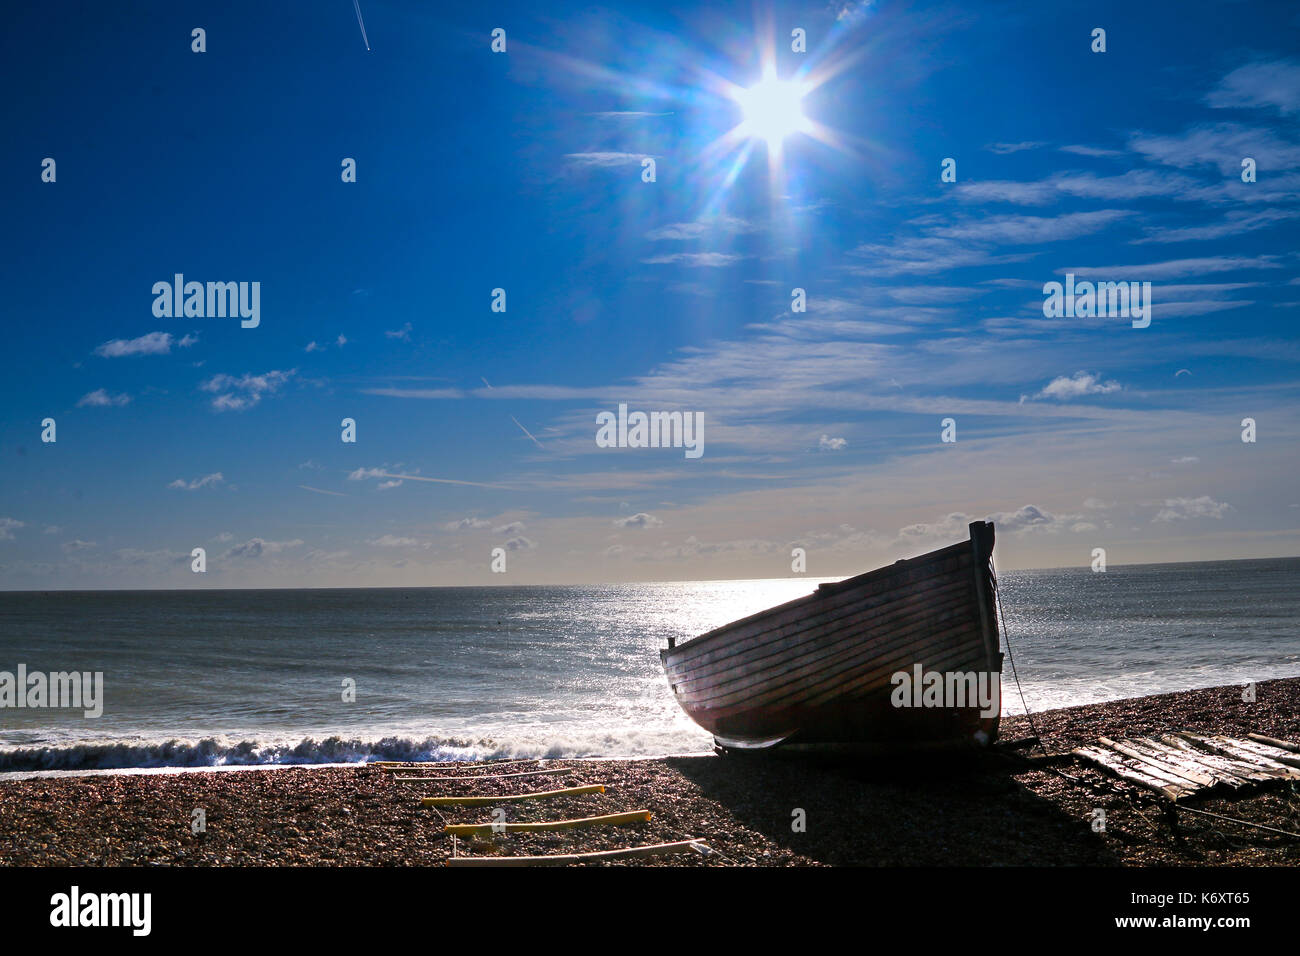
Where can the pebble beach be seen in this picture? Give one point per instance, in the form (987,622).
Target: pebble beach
(1006,807)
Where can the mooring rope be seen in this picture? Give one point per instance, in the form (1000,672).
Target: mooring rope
(997,599)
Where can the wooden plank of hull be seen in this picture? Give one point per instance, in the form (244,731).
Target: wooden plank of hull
(869,720)
(930,650)
(794,612)
(819,668)
(895,624)
(863,705)
(863,674)
(853,608)
(950,628)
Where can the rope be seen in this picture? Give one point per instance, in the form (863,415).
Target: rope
(1245,823)
(997,599)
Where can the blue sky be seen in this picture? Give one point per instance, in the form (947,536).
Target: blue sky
(522,170)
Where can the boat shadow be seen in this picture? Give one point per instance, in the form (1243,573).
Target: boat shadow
(949,811)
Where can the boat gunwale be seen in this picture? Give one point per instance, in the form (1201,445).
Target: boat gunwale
(902,564)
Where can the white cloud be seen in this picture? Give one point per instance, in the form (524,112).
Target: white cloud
(393,541)
(827,443)
(99,398)
(153,343)
(1031,518)
(403,334)
(1002,149)
(1263,84)
(467,524)
(238,394)
(7,526)
(213,479)
(638,520)
(1180,509)
(699,260)
(256,547)
(1093,151)
(604,160)
(1066,387)
(699,228)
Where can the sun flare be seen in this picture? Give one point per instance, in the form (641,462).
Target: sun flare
(773,110)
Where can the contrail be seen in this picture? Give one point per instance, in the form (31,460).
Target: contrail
(322,491)
(526,431)
(357,4)
(442,481)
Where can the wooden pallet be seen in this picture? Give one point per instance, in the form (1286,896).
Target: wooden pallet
(1185,764)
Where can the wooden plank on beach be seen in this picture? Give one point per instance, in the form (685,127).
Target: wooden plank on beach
(1215,776)
(471,777)
(1276,754)
(1225,747)
(1275,742)
(466,801)
(1123,768)
(1244,774)
(564,859)
(1195,779)
(609,819)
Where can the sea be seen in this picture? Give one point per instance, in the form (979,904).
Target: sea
(226,678)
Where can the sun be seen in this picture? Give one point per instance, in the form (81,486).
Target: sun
(773,110)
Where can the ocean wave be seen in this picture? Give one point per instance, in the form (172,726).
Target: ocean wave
(220,752)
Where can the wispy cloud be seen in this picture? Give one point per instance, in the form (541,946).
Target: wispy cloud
(1182,509)
(1079,384)
(1263,84)
(100,398)
(207,481)
(729,225)
(605,160)
(641,520)
(322,491)
(243,392)
(153,343)
(705,260)
(1003,149)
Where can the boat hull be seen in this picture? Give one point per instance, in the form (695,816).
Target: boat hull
(855,663)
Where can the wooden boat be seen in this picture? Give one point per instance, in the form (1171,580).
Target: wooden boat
(822,669)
